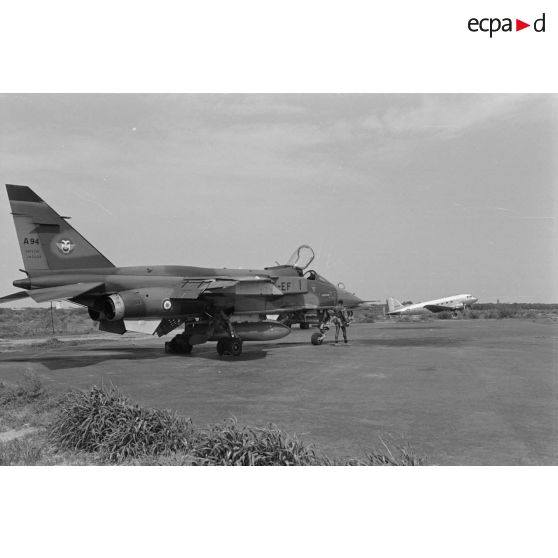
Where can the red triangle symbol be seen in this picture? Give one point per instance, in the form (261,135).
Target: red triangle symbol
(519,25)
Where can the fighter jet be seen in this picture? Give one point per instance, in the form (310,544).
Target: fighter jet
(455,303)
(224,305)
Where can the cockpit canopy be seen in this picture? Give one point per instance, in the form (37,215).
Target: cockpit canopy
(302,257)
(312,275)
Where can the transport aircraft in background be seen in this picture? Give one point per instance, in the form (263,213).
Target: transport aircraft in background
(456,303)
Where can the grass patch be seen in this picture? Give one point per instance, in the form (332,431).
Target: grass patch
(29,389)
(106,422)
(516,310)
(228,443)
(48,343)
(34,322)
(21,451)
(394,453)
(35,450)
(102,426)
(26,403)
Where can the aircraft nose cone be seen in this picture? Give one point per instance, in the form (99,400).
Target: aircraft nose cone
(349,299)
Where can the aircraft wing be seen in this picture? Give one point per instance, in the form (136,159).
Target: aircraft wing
(15,296)
(254,286)
(54,293)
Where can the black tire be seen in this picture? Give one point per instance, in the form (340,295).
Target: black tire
(185,348)
(304,325)
(221,346)
(178,346)
(317,339)
(229,346)
(235,347)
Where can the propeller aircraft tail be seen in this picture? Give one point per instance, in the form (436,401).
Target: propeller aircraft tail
(393,304)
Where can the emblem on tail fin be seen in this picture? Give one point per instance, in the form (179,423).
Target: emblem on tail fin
(65,246)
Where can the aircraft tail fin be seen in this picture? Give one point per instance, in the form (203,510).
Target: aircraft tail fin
(393,304)
(46,240)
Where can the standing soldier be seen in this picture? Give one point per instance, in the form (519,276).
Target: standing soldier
(340,319)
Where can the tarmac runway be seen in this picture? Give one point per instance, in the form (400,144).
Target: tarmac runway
(460,392)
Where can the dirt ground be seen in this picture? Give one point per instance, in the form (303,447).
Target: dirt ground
(461,392)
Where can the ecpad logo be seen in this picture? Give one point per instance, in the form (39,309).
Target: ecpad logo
(493,25)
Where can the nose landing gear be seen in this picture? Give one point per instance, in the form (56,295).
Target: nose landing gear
(318,337)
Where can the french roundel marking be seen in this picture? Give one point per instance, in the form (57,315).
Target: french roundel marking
(167,304)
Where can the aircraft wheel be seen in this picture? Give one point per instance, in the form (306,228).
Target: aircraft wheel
(235,347)
(229,346)
(178,345)
(185,348)
(221,346)
(304,325)
(317,339)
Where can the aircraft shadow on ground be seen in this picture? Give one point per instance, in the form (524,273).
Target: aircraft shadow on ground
(249,353)
(61,360)
(65,359)
(207,353)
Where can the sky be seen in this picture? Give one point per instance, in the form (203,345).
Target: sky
(416,196)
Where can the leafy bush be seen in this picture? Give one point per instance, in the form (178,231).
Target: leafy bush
(228,443)
(105,421)
(395,454)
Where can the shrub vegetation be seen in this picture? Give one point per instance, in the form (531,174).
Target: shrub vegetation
(106,422)
(228,443)
(21,452)
(102,426)
(33,322)
(27,390)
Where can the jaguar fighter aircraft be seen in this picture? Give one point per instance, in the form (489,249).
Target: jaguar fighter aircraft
(224,305)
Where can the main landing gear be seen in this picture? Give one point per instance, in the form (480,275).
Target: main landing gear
(229,346)
(179,344)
